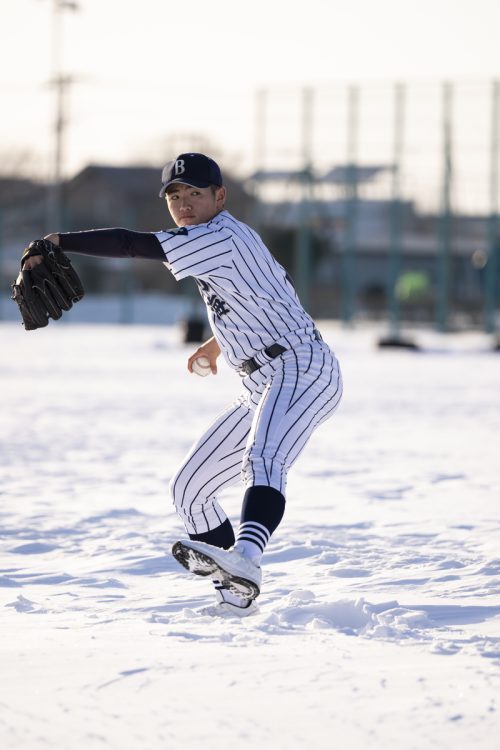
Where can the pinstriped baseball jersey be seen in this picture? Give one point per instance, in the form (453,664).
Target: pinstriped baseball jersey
(251,302)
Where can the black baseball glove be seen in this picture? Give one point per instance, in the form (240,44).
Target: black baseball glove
(48,289)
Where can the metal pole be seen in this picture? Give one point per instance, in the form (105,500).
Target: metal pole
(394,338)
(490,300)
(260,130)
(54,210)
(260,152)
(302,265)
(307,121)
(127,297)
(2,295)
(445,220)
(127,306)
(351,205)
(395,216)
(60,82)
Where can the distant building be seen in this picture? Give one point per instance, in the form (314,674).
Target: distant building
(348,220)
(99,196)
(353,239)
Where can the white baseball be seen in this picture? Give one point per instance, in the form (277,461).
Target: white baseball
(201,366)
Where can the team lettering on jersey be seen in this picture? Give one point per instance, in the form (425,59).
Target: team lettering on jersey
(248,298)
(212,300)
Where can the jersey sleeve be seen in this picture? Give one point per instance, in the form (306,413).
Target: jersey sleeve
(196,251)
(113,243)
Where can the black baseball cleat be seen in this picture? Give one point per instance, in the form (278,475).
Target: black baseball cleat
(236,573)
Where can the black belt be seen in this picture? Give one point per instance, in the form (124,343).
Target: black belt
(273,351)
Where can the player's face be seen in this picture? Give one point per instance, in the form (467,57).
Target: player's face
(191,205)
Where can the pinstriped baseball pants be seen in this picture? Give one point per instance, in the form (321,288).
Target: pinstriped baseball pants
(258,438)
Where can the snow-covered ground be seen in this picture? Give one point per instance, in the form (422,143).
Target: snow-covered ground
(379,621)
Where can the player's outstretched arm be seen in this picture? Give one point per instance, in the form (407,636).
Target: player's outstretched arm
(211,350)
(110,243)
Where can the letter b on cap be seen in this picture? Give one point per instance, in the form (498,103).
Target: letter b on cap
(179,167)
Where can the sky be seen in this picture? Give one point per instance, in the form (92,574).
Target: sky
(151,76)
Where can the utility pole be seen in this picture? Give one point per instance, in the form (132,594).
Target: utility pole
(60,83)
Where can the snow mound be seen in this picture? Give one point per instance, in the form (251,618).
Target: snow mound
(301,609)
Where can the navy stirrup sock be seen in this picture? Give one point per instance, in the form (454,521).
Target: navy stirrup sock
(262,511)
(221,536)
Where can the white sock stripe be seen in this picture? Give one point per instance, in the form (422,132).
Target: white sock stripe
(260,543)
(256,525)
(258,540)
(256,533)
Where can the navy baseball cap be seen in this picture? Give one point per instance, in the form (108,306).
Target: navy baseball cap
(197,170)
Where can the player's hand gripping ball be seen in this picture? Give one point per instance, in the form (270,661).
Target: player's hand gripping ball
(201,366)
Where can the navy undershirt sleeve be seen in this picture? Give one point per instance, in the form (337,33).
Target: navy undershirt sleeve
(113,243)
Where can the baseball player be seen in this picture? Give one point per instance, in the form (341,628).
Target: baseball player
(290,378)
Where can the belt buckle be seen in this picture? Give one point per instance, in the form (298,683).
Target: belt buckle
(249,366)
(274,350)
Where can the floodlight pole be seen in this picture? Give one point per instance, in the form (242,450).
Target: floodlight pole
(260,129)
(303,251)
(394,338)
(349,243)
(445,220)
(490,301)
(1,260)
(395,215)
(261,103)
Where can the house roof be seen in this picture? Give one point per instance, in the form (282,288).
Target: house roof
(132,179)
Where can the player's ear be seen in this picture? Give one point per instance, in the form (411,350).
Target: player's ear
(220,196)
